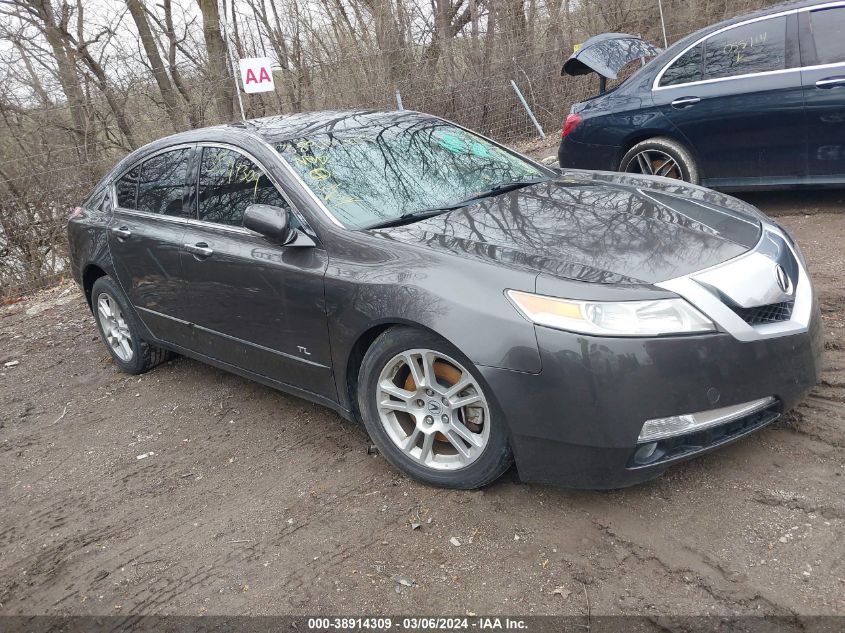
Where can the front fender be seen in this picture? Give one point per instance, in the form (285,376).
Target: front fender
(462,301)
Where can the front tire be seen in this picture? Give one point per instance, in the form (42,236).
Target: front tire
(121,331)
(661,156)
(429,411)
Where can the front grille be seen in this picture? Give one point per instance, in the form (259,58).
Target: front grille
(772,313)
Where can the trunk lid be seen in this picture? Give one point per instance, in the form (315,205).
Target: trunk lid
(607,54)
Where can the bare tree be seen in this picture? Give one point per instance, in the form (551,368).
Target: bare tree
(82,83)
(218,65)
(168,93)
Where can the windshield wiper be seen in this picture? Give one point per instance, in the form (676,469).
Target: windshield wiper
(505,187)
(415,216)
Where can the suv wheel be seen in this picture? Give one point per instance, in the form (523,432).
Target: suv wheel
(120,330)
(661,156)
(430,413)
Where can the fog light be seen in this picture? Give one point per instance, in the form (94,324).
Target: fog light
(660,428)
(645,452)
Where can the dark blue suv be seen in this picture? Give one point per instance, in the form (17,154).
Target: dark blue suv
(756,101)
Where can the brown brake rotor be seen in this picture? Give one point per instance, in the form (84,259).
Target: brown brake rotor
(658,165)
(448,375)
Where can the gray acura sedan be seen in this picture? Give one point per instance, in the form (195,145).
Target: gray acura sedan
(470,306)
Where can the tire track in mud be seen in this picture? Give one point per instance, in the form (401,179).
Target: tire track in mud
(677,559)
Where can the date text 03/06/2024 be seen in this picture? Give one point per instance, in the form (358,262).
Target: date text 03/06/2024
(417,624)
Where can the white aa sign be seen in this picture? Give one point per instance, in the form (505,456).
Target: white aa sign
(257,74)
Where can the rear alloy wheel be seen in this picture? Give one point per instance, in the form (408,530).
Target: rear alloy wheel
(428,412)
(661,157)
(115,329)
(121,331)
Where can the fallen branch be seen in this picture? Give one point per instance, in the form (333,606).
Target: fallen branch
(58,419)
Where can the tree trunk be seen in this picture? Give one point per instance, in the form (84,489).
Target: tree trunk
(221,79)
(68,78)
(168,94)
(170,33)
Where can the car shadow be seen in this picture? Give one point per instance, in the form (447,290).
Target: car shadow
(795,201)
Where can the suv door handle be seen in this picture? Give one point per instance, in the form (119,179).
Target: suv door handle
(830,82)
(684,102)
(200,250)
(123,233)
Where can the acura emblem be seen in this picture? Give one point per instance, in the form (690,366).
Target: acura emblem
(433,407)
(783,280)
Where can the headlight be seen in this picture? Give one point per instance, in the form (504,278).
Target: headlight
(616,318)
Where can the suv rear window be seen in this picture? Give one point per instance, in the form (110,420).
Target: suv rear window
(828,29)
(751,48)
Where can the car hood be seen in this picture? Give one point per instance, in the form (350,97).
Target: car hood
(595,227)
(607,54)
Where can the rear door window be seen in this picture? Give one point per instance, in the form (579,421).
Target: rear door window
(228,183)
(127,189)
(828,30)
(751,48)
(685,69)
(161,184)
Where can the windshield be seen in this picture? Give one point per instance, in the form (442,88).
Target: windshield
(370,176)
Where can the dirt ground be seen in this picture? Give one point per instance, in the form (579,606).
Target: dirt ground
(192,491)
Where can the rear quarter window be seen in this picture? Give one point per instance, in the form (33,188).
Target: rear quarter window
(685,69)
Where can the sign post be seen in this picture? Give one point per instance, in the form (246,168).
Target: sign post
(257,74)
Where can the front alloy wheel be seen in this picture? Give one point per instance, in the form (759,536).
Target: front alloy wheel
(427,409)
(433,409)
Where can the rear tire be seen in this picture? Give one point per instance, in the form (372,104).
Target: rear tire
(121,331)
(438,423)
(661,156)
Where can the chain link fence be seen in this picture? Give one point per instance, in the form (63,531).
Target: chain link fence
(48,165)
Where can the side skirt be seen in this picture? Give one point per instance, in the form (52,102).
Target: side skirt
(774,184)
(264,380)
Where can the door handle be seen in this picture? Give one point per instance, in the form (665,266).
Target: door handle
(830,82)
(123,233)
(685,102)
(200,250)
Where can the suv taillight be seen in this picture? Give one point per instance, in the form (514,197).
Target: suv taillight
(570,124)
(77,211)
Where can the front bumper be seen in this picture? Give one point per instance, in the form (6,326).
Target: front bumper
(577,422)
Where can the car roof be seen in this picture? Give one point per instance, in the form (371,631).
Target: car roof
(274,129)
(291,126)
(775,8)
(277,128)
(654,66)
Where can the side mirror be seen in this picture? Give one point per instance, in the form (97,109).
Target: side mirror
(272,222)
